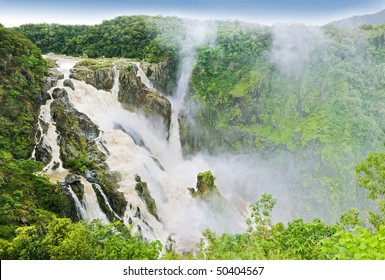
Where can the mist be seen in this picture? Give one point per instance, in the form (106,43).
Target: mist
(294,44)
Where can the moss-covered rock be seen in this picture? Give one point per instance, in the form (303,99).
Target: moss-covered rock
(96,73)
(77,131)
(205,185)
(136,96)
(144,193)
(69,83)
(207,191)
(163,75)
(110,188)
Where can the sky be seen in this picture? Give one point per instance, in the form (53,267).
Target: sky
(317,12)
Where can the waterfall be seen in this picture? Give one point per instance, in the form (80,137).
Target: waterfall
(179,213)
(89,208)
(91,204)
(97,186)
(39,131)
(143,76)
(82,212)
(115,87)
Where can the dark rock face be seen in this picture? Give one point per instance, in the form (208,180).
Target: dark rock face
(136,96)
(162,75)
(71,178)
(69,83)
(53,76)
(102,78)
(144,193)
(77,131)
(73,181)
(43,153)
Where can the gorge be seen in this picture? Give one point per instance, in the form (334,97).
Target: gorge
(216,139)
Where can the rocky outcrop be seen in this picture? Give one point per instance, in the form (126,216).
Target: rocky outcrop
(207,191)
(77,131)
(162,75)
(136,96)
(53,76)
(101,78)
(144,193)
(73,181)
(69,83)
(43,152)
(205,186)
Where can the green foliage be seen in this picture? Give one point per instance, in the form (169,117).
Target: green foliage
(371,176)
(24,194)
(358,245)
(350,219)
(60,239)
(21,78)
(79,164)
(137,37)
(327,110)
(260,221)
(300,240)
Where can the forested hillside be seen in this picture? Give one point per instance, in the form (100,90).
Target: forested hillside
(306,100)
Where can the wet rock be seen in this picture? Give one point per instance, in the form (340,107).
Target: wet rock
(44,95)
(71,179)
(136,96)
(56,165)
(205,185)
(43,153)
(54,75)
(69,83)
(60,93)
(137,213)
(101,78)
(77,131)
(163,75)
(144,193)
(207,191)
(90,176)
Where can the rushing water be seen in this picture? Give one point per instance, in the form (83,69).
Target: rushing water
(157,161)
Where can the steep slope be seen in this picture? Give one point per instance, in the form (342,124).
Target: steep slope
(356,21)
(25,198)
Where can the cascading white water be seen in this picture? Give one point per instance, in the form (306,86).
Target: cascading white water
(82,212)
(143,76)
(89,208)
(115,88)
(91,205)
(179,213)
(99,188)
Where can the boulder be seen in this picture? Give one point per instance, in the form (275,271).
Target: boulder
(71,179)
(205,186)
(53,76)
(43,153)
(69,83)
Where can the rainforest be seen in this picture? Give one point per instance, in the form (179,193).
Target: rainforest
(151,137)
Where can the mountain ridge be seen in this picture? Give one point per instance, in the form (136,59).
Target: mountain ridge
(377,18)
